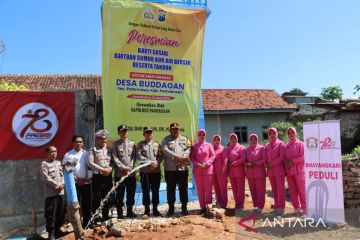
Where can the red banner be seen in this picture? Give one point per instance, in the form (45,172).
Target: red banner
(30,121)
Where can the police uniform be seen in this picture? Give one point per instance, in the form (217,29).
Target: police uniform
(100,159)
(150,176)
(176,173)
(125,151)
(55,203)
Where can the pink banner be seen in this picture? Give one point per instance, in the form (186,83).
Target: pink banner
(323,169)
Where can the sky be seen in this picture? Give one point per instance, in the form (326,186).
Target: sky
(252,44)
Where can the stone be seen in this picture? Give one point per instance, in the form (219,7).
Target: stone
(353,202)
(116,232)
(357,195)
(349,195)
(354,189)
(354,184)
(355,170)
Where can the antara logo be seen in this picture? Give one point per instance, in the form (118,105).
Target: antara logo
(283,222)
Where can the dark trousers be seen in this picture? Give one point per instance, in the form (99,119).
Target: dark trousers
(128,185)
(101,185)
(150,181)
(55,210)
(179,178)
(84,197)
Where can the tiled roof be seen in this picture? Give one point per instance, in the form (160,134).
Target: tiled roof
(213,99)
(243,99)
(55,82)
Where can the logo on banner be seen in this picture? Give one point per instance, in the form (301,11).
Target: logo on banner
(35,124)
(327,143)
(312,143)
(150,15)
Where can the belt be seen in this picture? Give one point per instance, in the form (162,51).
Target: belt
(87,182)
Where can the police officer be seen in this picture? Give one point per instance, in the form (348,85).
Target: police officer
(149,151)
(55,203)
(102,161)
(176,149)
(125,151)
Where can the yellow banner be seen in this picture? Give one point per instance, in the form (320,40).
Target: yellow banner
(152,56)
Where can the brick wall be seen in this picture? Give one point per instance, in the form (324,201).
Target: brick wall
(351,178)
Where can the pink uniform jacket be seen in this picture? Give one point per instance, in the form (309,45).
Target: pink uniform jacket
(256,154)
(236,156)
(219,165)
(203,153)
(294,151)
(275,152)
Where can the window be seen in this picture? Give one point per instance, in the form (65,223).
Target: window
(264,132)
(241,133)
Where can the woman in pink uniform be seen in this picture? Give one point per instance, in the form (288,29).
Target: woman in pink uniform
(202,157)
(234,157)
(275,152)
(255,171)
(294,164)
(220,173)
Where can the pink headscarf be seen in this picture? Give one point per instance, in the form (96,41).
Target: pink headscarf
(294,130)
(201,131)
(231,135)
(276,134)
(213,140)
(257,139)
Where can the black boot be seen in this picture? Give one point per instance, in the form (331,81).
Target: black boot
(59,234)
(156,212)
(184,210)
(130,213)
(105,216)
(147,210)
(202,211)
(51,235)
(171,211)
(120,213)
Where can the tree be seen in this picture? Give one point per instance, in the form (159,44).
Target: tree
(332,93)
(295,92)
(357,89)
(283,126)
(5,86)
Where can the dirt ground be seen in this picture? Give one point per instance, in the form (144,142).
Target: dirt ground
(225,225)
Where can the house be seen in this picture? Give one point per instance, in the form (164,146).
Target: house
(243,111)
(306,111)
(348,112)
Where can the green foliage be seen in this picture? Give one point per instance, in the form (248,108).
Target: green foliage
(332,93)
(4,86)
(283,126)
(296,92)
(356,151)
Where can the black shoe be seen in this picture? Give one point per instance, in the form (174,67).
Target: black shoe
(120,213)
(51,235)
(147,210)
(59,234)
(130,213)
(105,218)
(202,211)
(184,211)
(156,212)
(171,211)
